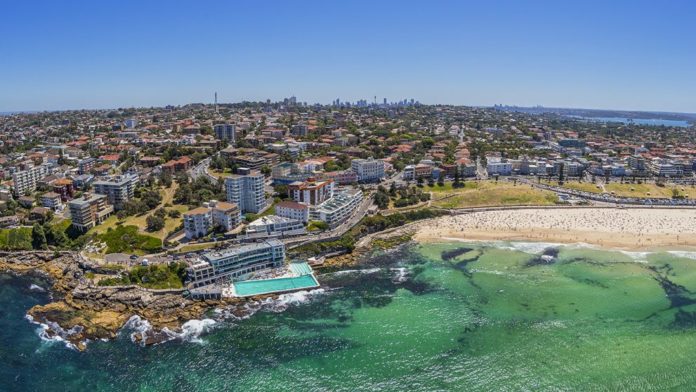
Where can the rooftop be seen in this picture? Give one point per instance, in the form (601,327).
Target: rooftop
(221,254)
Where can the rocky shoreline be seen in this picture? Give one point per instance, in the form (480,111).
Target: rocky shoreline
(80,311)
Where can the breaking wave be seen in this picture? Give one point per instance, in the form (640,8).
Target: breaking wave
(34,287)
(51,332)
(191,331)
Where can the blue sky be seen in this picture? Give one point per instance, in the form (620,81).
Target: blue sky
(594,54)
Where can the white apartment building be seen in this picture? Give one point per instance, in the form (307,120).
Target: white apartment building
(498,167)
(247,191)
(337,209)
(368,170)
(24,181)
(293,210)
(273,225)
(198,222)
(225,215)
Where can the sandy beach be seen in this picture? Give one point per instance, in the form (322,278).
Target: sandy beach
(613,228)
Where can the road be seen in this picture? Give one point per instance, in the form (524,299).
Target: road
(201,169)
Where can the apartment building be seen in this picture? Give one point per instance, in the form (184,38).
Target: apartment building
(86,165)
(24,181)
(52,200)
(118,189)
(246,190)
(89,211)
(274,225)
(343,177)
(214,214)
(225,215)
(337,209)
(497,166)
(225,132)
(311,192)
(177,165)
(293,210)
(198,222)
(368,170)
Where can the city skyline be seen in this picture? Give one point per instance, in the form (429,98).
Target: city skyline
(622,56)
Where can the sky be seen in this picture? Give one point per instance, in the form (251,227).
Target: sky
(617,54)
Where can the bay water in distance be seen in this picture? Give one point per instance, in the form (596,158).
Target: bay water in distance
(435,317)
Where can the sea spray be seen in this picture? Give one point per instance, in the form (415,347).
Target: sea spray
(51,332)
(35,287)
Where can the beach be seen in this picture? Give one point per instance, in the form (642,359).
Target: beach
(631,228)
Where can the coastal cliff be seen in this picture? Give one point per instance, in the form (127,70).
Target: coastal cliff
(81,311)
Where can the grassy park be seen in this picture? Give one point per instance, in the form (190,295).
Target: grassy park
(488,193)
(650,190)
(140,221)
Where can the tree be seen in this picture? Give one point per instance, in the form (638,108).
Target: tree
(38,237)
(166,179)
(55,237)
(382,200)
(561,177)
(154,223)
(266,170)
(392,189)
(457,181)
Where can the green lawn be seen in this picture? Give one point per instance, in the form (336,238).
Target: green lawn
(489,193)
(581,186)
(197,247)
(628,190)
(140,221)
(126,239)
(153,277)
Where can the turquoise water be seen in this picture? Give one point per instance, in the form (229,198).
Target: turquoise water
(256,287)
(425,318)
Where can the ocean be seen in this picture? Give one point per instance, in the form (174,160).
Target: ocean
(436,317)
(637,121)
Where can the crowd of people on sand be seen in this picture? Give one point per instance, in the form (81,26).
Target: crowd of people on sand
(639,226)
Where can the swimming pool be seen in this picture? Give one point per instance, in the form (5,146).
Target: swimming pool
(304,280)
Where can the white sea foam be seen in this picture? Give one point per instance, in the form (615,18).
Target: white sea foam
(192,330)
(139,327)
(51,332)
(34,287)
(355,271)
(534,248)
(640,257)
(400,274)
(286,300)
(684,254)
